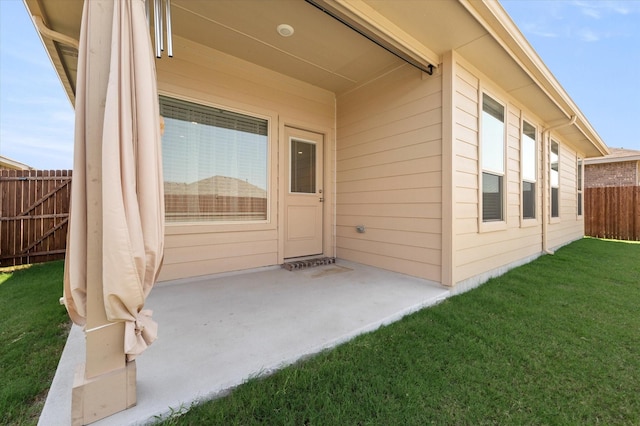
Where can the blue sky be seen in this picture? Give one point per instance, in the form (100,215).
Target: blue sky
(36,117)
(591,46)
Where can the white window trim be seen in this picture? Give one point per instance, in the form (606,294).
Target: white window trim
(179,228)
(498,225)
(528,222)
(579,171)
(553,219)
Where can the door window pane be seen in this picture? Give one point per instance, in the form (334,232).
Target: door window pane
(303,167)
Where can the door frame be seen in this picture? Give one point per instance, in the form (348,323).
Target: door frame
(328,184)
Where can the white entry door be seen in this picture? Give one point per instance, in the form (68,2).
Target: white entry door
(304,194)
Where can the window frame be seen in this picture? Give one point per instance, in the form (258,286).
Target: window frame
(553,218)
(270,223)
(500,224)
(530,221)
(579,186)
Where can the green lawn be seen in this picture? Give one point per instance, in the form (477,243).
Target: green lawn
(556,341)
(33,330)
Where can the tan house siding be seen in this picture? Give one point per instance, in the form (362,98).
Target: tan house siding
(569,226)
(622,173)
(202,75)
(482,247)
(389,173)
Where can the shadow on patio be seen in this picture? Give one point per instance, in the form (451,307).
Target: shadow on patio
(216,332)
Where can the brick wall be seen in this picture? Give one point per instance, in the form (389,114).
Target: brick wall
(624,173)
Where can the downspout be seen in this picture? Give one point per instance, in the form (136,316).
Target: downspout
(334,167)
(546,141)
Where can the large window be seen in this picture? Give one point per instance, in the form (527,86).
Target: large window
(492,160)
(528,171)
(579,180)
(555,179)
(214,163)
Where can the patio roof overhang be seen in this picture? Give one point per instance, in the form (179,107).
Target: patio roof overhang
(358,41)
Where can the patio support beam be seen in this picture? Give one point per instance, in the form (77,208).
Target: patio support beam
(448,253)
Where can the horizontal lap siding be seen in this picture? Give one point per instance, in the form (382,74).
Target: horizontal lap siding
(204,75)
(569,226)
(479,252)
(388,171)
(202,253)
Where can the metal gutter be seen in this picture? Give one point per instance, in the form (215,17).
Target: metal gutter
(54,35)
(506,33)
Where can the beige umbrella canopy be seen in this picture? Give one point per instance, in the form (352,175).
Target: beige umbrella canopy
(116,230)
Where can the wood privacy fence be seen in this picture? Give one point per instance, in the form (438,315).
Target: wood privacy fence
(613,212)
(34,211)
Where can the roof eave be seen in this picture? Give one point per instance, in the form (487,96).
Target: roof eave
(6,162)
(603,160)
(50,46)
(500,25)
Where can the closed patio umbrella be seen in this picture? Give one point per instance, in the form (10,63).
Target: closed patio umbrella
(116,231)
(133,201)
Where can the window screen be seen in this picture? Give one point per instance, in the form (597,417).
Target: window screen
(528,200)
(491,197)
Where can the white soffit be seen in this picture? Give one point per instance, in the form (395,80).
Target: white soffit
(448,26)
(322,51)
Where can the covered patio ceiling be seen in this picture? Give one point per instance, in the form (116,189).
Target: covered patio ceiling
(322,50)
(327,53)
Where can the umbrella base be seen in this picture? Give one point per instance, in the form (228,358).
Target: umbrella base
(101,396)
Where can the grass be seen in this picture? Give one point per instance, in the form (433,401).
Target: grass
(556,341)
(33,330)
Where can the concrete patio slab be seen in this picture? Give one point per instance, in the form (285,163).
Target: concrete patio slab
(216,332)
